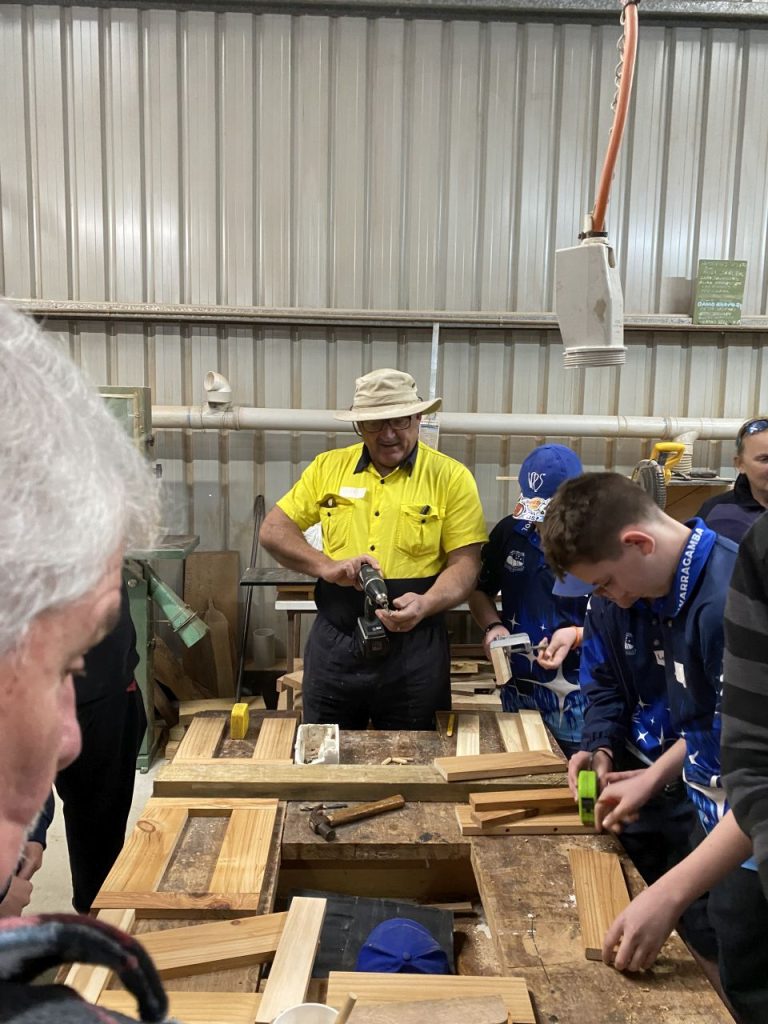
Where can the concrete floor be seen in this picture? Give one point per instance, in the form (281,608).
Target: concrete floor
(52,886)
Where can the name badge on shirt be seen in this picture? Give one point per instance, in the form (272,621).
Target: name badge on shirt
(353,492)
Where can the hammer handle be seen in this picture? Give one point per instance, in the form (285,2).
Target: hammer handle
(391,803)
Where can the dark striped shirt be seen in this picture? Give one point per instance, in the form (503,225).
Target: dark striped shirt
(744,743)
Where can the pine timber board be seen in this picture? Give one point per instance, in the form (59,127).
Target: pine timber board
(135,881)
(489,766)
(527,893)
(499,817)
(214,575)
(400,988)
(566,822)
(189,950)
(477,1009)
(188,709)
(247,778)
(275,740)
(89,980)
(202,738)
(543,800)
(468,735)
(195,949)
(534,730)
(193,1007)
(291,971)
(601,895)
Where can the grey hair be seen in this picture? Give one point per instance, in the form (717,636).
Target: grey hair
(74,487)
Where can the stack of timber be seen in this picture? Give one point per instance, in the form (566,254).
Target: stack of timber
(521,812)
(528,750)
(288,940)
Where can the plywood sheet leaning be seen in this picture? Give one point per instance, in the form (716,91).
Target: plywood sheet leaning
(193,1007)
(601,895)
(275,739)
(291,971)
(477,1009)
(235,885)
(493,766)
(564,823)
(408,988)
(468,736)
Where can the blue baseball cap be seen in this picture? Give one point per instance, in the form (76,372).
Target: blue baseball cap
(402,946)
(541,473)
(571,586)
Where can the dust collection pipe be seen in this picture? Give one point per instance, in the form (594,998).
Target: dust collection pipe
(662,428)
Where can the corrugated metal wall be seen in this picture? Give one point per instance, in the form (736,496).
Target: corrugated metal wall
(201,157)
(266,159)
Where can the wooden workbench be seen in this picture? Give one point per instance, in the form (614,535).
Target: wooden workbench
(360,776)
(418,853)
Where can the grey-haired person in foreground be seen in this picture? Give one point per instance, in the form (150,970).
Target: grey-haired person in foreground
(75,493)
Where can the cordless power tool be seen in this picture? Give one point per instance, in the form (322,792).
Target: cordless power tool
(371,633)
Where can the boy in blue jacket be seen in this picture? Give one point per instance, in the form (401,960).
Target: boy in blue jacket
(514,564)
(605,530)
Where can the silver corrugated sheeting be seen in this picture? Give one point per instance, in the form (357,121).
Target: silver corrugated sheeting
(279,160)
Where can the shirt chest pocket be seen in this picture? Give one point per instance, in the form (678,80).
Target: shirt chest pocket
(336,523)
(419,531)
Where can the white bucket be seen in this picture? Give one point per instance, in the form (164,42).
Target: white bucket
(263,647)
(307,1013)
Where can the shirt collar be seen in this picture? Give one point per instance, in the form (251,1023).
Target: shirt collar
(692,561)
(408,462)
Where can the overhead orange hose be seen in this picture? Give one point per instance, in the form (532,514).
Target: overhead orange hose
(619,117)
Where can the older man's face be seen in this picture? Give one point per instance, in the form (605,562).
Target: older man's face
(390,441)
(38,725)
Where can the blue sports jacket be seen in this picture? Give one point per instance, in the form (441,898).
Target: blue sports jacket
(623,679)
(692,628)
(513,564)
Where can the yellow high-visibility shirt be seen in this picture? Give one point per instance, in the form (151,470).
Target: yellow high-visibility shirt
(408,520)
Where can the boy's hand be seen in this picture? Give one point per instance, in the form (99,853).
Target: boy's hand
(623,795)
(562,642)
(641,930)
(599,762)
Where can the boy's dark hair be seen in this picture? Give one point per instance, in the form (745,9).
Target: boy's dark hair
(586,515)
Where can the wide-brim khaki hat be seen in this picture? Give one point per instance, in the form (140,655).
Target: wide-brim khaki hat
(385,395)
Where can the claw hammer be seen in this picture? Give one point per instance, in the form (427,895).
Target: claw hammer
(325,825)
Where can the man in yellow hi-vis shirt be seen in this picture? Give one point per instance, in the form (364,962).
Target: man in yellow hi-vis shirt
(411,512)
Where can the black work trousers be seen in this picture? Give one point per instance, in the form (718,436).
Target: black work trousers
(97,789)
(738,911)
(400,691)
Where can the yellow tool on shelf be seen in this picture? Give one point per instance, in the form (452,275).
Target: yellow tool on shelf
(238,722)
(667,454)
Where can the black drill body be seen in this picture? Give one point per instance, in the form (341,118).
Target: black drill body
(374,641)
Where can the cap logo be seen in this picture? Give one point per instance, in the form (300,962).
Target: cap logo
(536,481)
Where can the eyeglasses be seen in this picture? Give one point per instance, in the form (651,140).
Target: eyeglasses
(751,427)
(376,426)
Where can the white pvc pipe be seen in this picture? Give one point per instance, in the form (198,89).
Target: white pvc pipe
(170,417)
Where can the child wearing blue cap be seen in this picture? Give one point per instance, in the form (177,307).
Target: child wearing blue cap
(514,564)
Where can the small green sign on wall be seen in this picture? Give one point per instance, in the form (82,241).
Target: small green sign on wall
(719,291)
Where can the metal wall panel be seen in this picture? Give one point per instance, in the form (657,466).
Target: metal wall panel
(211,480)
(383,162)
(299,160)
